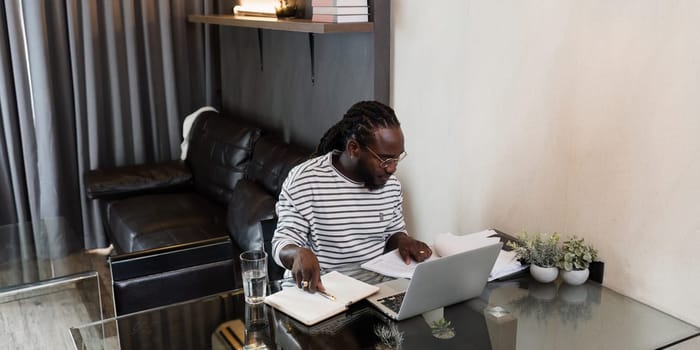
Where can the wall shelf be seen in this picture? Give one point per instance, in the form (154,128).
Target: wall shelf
(290,25)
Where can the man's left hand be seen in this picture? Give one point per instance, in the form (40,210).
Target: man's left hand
(410,248)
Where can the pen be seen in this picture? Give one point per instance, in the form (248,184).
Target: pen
(326,295)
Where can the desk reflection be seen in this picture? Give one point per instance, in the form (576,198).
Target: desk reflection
(354,329)
(253,334)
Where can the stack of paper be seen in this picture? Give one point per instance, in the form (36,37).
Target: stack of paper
(446,244)
(506,265)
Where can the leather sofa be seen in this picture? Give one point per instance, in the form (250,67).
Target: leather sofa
(178,227)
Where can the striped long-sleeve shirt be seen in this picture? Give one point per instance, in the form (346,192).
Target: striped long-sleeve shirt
(340,220)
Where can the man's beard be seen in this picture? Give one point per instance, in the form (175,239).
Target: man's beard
(367,177)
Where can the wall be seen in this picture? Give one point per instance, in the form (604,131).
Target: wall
(580,117)
(272,84)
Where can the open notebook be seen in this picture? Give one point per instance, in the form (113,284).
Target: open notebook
(446,244)
(311,308)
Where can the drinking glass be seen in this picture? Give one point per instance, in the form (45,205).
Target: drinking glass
(254,271)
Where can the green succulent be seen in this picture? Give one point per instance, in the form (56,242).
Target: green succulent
(538,249)
(576,255)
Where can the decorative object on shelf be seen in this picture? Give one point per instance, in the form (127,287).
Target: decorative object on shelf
(575,258)
(257,8)
(285,8)
(541,251)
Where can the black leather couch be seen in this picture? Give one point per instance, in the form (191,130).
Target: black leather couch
(178,227)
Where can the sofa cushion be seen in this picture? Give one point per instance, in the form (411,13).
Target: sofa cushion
(220,149)
(160,220)
(249,205)
(272,160)
(136,179)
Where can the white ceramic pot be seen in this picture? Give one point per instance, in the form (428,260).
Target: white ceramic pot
(575,277)
(544,274)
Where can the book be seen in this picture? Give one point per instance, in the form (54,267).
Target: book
(335,10)
(311,308)
(315,3)
(339,18)
(446,244)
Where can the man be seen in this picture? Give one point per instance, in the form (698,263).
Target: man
(345,205)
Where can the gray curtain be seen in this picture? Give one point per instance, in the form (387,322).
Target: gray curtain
(88,84)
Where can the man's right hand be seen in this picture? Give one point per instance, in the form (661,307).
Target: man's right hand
(305,268)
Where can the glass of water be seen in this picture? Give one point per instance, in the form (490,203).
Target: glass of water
(254,270)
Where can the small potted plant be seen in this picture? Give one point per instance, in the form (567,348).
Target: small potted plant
(541,251)
(575,258)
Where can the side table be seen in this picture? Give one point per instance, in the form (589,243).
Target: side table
(47,283)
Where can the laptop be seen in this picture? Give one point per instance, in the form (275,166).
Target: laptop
(437,283)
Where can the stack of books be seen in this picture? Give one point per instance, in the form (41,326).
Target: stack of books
(340,11)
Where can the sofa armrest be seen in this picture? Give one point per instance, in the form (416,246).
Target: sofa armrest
(251,221)
(250,205)
(136,179)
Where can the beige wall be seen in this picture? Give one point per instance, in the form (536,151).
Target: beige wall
(581,117)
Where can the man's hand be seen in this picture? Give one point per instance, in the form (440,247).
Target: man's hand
(305,268)
(409,248)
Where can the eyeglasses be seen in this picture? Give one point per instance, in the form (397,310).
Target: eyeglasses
(385,163)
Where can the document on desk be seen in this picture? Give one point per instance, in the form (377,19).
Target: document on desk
(506,264)
(311,308)
(446,244)
(391,264)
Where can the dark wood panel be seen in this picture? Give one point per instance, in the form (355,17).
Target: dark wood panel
(277,91)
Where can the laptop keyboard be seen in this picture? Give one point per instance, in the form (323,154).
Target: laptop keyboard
(393,302)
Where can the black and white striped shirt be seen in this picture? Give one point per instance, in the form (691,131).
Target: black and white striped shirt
(340,220)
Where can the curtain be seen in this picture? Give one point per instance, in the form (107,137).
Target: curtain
(88,84)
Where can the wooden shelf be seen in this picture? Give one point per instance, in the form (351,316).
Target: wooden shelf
(290,25)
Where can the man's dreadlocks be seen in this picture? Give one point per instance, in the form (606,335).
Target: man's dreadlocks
(357,123)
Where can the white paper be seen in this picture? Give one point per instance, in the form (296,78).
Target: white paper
(391,264)
(446,244)
(506,264)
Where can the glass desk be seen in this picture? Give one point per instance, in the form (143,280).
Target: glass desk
(517,314)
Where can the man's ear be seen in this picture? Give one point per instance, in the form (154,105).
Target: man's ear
(353,148)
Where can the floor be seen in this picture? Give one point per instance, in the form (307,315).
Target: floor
(41,319)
